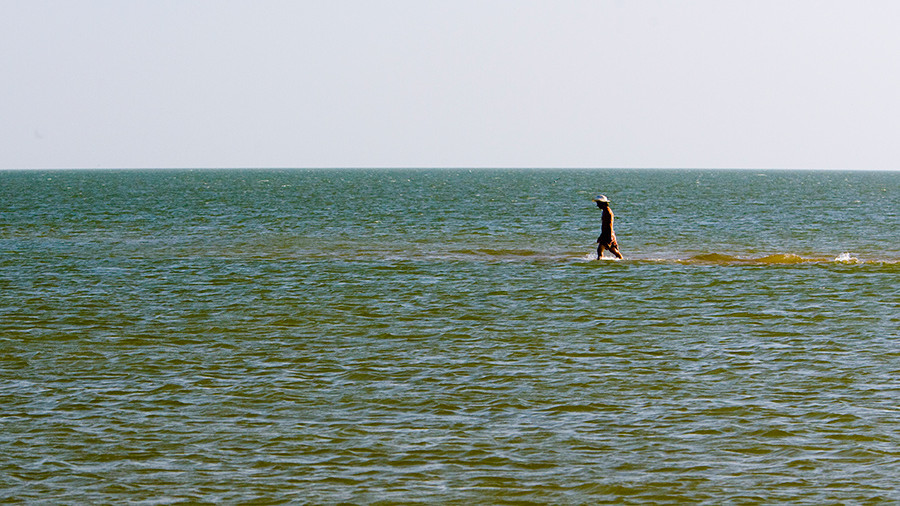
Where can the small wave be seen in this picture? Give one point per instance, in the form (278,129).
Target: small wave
(846,258)
(786,258)
(715,258)
(774,259)
(590,257)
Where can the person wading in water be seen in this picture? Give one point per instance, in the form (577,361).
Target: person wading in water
(607,239)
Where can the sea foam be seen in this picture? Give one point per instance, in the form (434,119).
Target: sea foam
(846,258)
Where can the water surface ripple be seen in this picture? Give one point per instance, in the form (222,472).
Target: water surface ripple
(238,337)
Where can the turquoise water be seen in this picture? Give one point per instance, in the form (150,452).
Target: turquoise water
(413,336)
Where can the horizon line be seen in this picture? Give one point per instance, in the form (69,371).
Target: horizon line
(447,167)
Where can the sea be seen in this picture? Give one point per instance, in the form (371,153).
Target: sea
(449,337)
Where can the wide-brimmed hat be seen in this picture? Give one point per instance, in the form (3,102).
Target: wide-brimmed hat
(601,198)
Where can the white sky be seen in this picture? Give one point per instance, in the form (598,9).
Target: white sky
(452,83)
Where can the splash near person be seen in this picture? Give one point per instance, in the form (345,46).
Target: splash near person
(607,239)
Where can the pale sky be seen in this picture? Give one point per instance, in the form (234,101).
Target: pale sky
(452,83)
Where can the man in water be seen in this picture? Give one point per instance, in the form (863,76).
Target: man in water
(607,239)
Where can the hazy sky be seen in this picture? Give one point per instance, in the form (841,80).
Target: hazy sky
(453,83)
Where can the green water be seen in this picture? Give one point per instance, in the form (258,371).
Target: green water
(445,337)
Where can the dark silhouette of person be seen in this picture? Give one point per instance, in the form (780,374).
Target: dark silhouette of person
(607,239)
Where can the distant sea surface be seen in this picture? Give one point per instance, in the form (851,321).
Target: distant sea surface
(447,337)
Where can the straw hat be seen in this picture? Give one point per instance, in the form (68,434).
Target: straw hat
(600,198)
